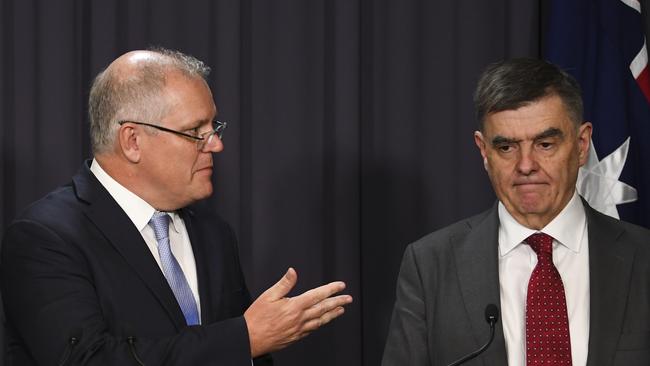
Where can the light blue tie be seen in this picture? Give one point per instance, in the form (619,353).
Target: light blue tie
(172,270)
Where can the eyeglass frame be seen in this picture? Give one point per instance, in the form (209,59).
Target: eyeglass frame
(205,137)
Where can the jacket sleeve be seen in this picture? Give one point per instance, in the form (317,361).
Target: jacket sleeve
(406,344)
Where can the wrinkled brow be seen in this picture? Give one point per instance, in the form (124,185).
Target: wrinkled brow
(501,140)
(551,132)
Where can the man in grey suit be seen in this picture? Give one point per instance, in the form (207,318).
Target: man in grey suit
(572,285)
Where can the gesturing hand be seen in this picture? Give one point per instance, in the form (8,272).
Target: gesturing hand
(275,321)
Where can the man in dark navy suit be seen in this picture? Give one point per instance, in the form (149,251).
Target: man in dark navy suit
(123,264)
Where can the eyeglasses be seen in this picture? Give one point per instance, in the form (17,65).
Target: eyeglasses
(204,141)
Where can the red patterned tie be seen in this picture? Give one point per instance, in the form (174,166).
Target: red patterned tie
(547,324)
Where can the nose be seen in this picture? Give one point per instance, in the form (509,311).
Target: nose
(527,163)
(213,145)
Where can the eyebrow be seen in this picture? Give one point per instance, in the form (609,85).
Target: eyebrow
(195,124)
(551,132)
(500,140)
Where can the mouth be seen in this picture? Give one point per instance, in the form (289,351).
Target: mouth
(528,181)
(525,187)
(528,184)
(206,170)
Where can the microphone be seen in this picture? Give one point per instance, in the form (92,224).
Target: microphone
(131,341)
(491,316)
(75,336)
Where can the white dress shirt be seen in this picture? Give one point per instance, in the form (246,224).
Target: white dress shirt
(140,212)
(516,263)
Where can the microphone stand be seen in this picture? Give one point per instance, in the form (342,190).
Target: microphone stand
(72,342)
(491,316)
(131,341)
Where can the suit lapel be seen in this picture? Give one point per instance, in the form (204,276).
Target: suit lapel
(206,282)
(610,267)
(118,229)
(476,256)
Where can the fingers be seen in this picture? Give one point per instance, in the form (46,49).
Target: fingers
(282,287)
(327,305)
(318,294)
(323,319)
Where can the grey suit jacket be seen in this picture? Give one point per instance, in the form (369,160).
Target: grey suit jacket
(448,277)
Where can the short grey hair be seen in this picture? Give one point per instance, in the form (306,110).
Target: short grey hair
(137,96)
(511,84)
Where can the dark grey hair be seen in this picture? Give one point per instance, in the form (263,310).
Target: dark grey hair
(136,96)
(511,84)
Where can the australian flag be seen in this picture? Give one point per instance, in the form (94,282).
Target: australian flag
(601,43)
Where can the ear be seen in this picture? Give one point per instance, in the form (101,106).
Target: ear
(129,142)
(584,140)
(479,140)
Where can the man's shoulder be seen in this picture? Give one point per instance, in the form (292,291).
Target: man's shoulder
(620,232)
(55,205)
(456,232)
(635,231)
(64,202)
(60,213)
(629,231)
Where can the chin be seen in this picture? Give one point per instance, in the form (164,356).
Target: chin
(532,199)
(205,192)
(532,208)
(199,193)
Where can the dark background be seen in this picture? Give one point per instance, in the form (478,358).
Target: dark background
(350,125)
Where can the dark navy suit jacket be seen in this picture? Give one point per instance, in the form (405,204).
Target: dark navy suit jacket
(73,264)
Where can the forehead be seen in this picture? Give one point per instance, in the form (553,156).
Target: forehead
(180,86)
(528,121)
(188,95)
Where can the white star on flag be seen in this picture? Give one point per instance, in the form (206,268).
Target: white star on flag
(598,181)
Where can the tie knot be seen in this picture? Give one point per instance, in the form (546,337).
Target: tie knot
(540,243)
(160,224)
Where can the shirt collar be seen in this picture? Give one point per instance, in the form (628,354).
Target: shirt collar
(567,228)
(137,209)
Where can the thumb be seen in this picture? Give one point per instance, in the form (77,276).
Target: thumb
(282,287)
